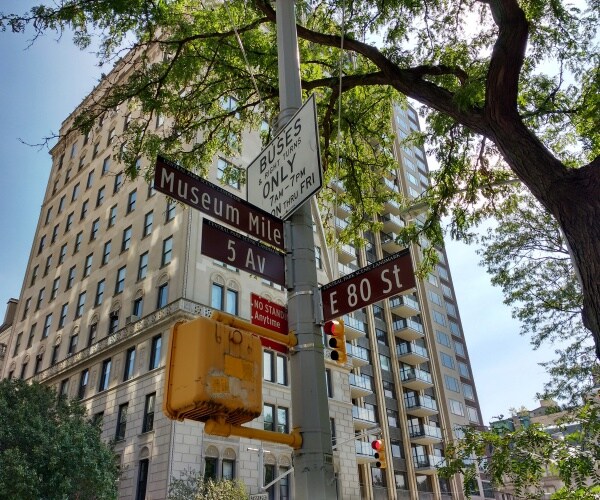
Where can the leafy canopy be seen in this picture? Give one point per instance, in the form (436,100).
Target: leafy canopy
(48,449)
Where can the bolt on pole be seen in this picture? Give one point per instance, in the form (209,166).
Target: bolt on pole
(314,477)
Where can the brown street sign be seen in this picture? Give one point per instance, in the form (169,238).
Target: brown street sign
(183,185)
(378,281)
(232,248)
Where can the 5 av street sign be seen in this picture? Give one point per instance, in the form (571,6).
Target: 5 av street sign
(378,281)
(288,171)
(215,201)
(232,248)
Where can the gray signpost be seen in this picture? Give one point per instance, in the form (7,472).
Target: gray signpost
(313,463)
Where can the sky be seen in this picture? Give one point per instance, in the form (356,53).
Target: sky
(41,84)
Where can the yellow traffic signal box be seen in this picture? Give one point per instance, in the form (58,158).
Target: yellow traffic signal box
(213,370)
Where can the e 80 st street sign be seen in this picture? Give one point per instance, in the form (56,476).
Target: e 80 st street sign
(378,281)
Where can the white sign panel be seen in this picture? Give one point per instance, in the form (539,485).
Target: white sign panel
(259,496)
(288,171)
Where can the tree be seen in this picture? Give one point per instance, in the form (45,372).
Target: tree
(521,458)
(193,486)
(48,449)
(526,255)
(510,89)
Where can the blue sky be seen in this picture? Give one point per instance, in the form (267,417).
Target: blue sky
(41,85)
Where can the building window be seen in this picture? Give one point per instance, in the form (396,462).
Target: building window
(48,264)
(228,173)
(105,375)
(282,378)
(447,360)
(468,391)
(95,228)
(131,201)
(138,305)
(167,251)
(48,216)
(63,254)
(55,233)
(142,481)
(100,196)
(105,165)
(456,407)
(318,258)
(40,298)
(118,182)
(217,296)
(113,322)
(148,219)
(64,388)
(96,150)
(120,282)
(232,302)
(80,305)
(385,363)
(34,274)
(454,328)
(210,468)
(129,363)
(155,352)
(451,383)
(459,349)
(23,370)
(61,203)
(269,417)
(83,382)
(90,180)
(328,383)
(228,469)
(42,244)
(84,209)
(151,190)
(163,296)
(268,367)
(472,414)
(78,240)
(143,266)
(443,338)
(71,277)
(54,357)
(17,344)
(389,390)
(126,239)
(439,318)
(47,325)
(75,192)
(111,136)
(99,292)
(148,423)
(106,252)
(31,335)
(93,331)
(121,422)
(284,484)
(72,344)
(26,307)
(463,369)
(170,212)
(63,315)
(392,417)
(112,216)
(88,266)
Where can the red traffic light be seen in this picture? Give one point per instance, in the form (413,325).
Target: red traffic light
(334,328)
(377,444)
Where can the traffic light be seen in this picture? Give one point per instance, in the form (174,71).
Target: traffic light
(213,369)
(379,455)
(336,331)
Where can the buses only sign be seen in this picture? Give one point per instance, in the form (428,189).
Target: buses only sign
(378,281)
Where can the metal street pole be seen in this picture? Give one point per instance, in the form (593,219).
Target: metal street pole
(313,463)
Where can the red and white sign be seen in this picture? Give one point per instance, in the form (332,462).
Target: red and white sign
(271,316)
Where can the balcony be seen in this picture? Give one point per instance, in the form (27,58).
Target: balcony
(355,329)
(420,405)
(408,329)
(411,353)
(359,356)
(346,254)
(343,210)
(390,184)
(340,224)
(391,222)
(427,464)
(336,185)
(344,270)
(393,206)
(360,386)
(364,418)
(416,379)
(425,434)
(364,452)
(405,305)
(389,242)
